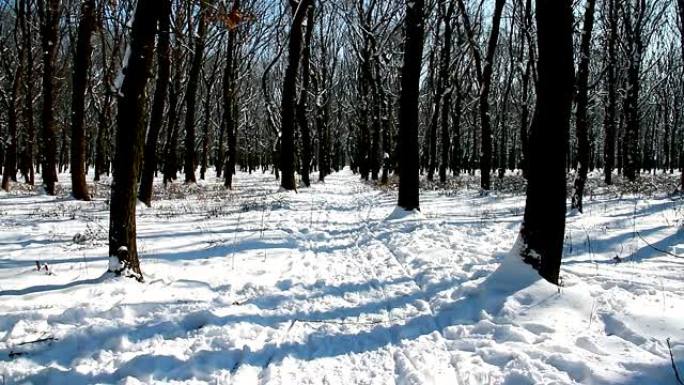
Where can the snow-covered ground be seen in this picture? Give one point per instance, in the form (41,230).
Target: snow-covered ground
(320,287)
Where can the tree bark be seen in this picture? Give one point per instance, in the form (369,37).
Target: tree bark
(302,104)
(484,74)
(680,8)
(409,160)
(288,102)
(9,173)
(26,31)
(84,49)
(446,96)
(191,95)
(49,10)
(229,96)
(543,227)
(635,47)
(157,115)
(130,137)
(582,102)
(610,126)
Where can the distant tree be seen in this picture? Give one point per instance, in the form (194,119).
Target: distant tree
(680,4)
(25,21)
(130,138)
(288,102)
(582,102)
(634,14)
(484,73)
(82,64)
(610,123)
(543,228)
(229,99)
(48,11)
(409,160)
(303,102)
(191,93)
(160,93)
(445,95)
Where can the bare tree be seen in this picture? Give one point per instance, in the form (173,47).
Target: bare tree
(543,228)
(582,101)
(80,83)
(49,15)
(130,136)
(409,162)
(288,103)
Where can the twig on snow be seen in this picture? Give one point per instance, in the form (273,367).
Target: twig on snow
(674,366)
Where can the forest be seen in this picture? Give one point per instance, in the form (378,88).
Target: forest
(341,191)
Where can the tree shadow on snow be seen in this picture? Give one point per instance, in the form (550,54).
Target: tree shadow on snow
(489,296)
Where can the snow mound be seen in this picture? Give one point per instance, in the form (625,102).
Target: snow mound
(399,213)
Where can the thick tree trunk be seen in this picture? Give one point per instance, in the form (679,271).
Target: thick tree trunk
(130,138)
(50,42)
(582,102)
(543,227)
(80,82)
(409,183)
(288,102)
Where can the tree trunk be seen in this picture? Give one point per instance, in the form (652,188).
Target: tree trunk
(485,85)
(9,173)
(229,96)
(680,4)
(157,115)
(484,75)
(171,147)
(288,102)
(543,227)
(444,76)
(409,186)
(191,95)
(49,10)
(635,48)
(582,102)
(26,30)
(130,138)
(302,104)
(609,124)
(80,82)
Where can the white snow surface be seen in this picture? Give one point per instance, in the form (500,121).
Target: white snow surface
(253,286)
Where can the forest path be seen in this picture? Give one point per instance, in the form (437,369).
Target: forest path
(331,286)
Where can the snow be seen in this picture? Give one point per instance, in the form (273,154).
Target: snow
(335,285)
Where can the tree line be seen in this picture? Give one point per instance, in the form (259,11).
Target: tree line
(299,87)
